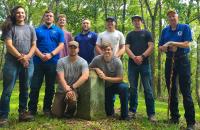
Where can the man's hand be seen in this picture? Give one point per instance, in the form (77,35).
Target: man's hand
(46,57)
(100,73)
(138,60)
(24,60)
(71,96)
(163,48)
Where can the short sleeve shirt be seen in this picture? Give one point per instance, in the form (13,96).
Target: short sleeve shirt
(72,70)
(138,41)
(113,68)
(181,34)
(22,37)
(116,39)
(48,39)
(87,43)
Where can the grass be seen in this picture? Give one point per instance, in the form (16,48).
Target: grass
(141,123)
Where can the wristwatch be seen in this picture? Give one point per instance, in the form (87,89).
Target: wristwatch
(143,56)
(52,54)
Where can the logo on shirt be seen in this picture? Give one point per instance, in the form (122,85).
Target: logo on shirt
(89,36)
(53,31)
(180,33)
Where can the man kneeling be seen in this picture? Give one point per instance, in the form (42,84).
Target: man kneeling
(72,72)
(109,68)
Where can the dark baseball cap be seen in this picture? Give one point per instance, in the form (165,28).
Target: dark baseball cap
(110,18)
(136,17)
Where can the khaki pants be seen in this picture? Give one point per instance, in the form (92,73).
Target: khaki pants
(61,108)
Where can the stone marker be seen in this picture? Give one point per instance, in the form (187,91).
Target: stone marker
(91,98)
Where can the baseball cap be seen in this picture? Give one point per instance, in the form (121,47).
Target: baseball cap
(136,17)
(111,18)
(73,43)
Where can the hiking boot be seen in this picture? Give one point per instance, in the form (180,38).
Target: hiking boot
(173,121)
(125,118)
(152,119)
(3,122)
(132,115)
(25,116)
(190,127)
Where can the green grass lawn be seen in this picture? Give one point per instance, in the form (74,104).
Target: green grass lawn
(141,123)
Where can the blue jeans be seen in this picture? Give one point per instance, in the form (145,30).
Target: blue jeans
(181,68)
(110,91)
(12,70)
(49,72)
(145,74)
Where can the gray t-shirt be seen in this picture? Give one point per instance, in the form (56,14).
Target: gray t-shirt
(72,71)
(22,37)
(113,68)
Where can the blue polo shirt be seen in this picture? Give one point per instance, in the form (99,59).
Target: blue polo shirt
(87,43)
(48,39)
(181,34)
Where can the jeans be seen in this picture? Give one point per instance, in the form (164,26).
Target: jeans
(145,73)
(110,91)
(12,70)
(181,68)
(49,72)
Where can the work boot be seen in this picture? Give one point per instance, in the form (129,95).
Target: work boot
(3,122)
(25,116)
(174,121)
(132,115)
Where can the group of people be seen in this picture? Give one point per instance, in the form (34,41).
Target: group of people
(51,52)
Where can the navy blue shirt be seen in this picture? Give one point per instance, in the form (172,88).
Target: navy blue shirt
(87,43)
(48,39)
(181,34)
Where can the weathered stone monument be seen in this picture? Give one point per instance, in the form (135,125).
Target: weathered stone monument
(91,98)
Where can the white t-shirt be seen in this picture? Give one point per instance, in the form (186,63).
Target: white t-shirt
(116,38)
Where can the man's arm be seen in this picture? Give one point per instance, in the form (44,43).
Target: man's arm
(98,49)
(121,51)
(149,49)
(101,75)
(184,44)
(62,81)
(129,52)
(82,79)
(11,49)
(48,56)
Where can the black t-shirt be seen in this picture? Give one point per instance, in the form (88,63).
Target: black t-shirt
(138,41)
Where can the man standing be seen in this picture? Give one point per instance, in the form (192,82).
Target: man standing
(49,44)
(175,41)
(72,72)
(87,41)
(109,68)
(20,40)
(113,36)
(62,21)
(139,46)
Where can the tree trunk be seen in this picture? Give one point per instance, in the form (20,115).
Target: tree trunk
(57,9)
(198,72)
(123,16)
(159,84)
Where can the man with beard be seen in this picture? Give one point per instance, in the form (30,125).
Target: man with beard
(87,41)
(50,41)
(72,72)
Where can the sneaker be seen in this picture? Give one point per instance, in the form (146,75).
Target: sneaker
(132,115)
(173,121)
(190,127)
(25,116)
(152,119)
(3,122)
